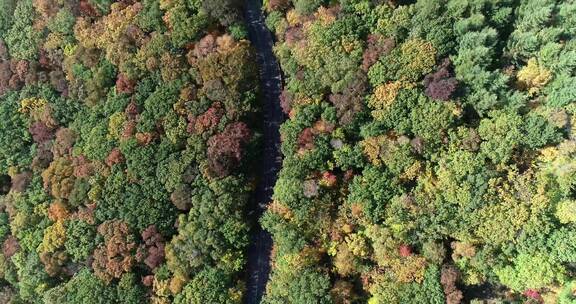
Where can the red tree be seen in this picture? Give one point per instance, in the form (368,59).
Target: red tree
(286,99)
(115,157)
(21,181)
(208,120)
(225,150)
(377,46)
(10,246)
(124,84)
(351,100)
(441,84)
(65,139)
(115,257)
(41,132)
(306,139)
(5,76)
(278,5)
(152,251)
(448,278)
(405,250)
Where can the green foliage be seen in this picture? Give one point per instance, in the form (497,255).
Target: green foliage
(84,287)
(307,6)
(80,239)
(567,296)
(209,286)
(129,289)
(539,132)
(409,61)
(530,271)
(62,23)
(105,128)
(303,286)
(472,67)
(33,281)
(186,21)
(140,205)
(22,39)
(15,139)
(429,291)
(6,15)
(214,232)
(373,190)
(226,12)
(4,225)
(128,131)
(150,17)
(488,172)
(501,134)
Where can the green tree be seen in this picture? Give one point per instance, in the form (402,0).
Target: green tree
(80,240)
(501,134)
(303,286)
(530,271)
(15,140)
(22,39)
(84,287)
(209,286)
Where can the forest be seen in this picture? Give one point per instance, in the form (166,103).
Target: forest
(429,154)
(127,134)
(429,151)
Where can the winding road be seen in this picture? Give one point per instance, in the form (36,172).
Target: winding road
(258,268)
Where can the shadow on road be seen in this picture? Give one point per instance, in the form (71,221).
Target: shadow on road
(258,268)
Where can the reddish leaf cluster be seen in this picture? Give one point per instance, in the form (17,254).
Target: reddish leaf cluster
(533,294)
(124,84)
(53,262)
(87,9)
(132,110)
(152,251)
(115,257)
(65,139)
(278,5)
(286,99)
(181,197)
(129,129)
(377,46)
(42,158)
(144,139)
(82,166)
(329,179)
(350,101)
(225,150)
(441,84)
(207,121)
(205,46)
(13,74)
(10,246)
(404,250)
(41,132)
(20,181)
(58,80)
(306,139)
(294,34)
(448,279)
(115,157)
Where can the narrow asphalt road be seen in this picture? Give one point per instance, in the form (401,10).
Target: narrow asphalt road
(258,268)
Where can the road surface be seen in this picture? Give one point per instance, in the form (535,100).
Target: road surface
(258,268)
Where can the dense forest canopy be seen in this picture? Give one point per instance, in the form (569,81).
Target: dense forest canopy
(429,152)
(127,131)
